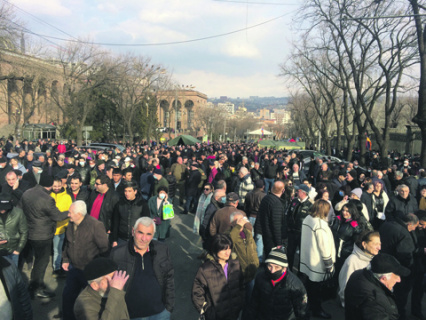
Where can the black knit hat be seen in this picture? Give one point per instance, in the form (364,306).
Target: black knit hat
(46,180)
(99,267)
(278,256)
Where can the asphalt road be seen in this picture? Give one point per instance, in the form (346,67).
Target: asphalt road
(185,246)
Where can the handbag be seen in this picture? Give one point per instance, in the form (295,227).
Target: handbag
(168,212)
(328,287)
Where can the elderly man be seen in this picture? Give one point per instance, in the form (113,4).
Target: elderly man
(33,177)
(403,202)
(150,292)
(245,185)
(368,293)
(103,298)
(221,220)
(42,215)
(298,176)
(297,212)
(14,187)
(86,239)
(277,293)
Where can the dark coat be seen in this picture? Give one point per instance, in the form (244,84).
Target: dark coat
(84,174)
(171,179)
(287,300)
(252,202)
(296,213)
(345,234)
(110,200)
(41,212)
(125,256)
(366,298)
(16,290)
(30,178)
(191,184)
(16,194)
(85,243)
(208,216)
(162,229)
(221,219)
(397,241)
(125,215)
(83,195)
(224,297)
(15,227)
(4,172)
(271,170)
(272,221)
(398,203)
(367,199)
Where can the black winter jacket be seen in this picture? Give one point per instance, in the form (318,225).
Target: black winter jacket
(224,297)
(125,256)
(83,195)
(208,216)
(398,241)
(16,290)
(191,184)
(287,300)
(110,200)
(366,298)
(125,215)
(272,221)
(271,170)
(41,212)
(345,234)
(84,174)
(398,203)
(171,179)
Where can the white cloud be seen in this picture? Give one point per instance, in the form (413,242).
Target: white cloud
(241,50)
(47,7)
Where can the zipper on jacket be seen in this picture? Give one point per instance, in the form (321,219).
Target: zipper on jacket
(143,265)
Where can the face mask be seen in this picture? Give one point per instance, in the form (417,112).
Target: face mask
(155,177)
(369,170)
(355,166)
(81,164)
(162,195)
(40,171)
(252,166)
(92,166)
(2,167)
(341,193)
(276,275)
(223,200)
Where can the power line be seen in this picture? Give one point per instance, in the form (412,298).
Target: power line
(159,43)
(257,3)
(40,20)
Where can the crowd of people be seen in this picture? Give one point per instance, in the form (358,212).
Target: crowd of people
(280,234)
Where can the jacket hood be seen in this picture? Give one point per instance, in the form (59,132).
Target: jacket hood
(361,255)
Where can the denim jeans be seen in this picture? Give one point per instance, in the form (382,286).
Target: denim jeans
(14,258)
(58,242)
(258,239)
(163,315)
(189,201)
(252,221)
(268,184)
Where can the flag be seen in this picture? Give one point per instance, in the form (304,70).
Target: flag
(368,143)
(262,131)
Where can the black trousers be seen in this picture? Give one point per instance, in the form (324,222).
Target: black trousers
(42,250)
(313,290)
(401,291)
(293,242)
(75,283)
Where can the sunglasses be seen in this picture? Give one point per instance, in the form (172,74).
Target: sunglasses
(207,189)
(98,184)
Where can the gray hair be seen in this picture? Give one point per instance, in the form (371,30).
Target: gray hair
(244,170)
(378,276)
(145,221)
(402,186)
(399,174)
(234,214)
(80,207)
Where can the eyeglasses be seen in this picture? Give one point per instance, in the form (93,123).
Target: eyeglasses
(98,184)
(207,189)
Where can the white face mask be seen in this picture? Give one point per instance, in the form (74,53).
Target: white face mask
(82,164)
(40,171)
(162,195)
(92,165)
(2,166)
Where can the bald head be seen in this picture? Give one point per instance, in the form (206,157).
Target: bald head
(278,188)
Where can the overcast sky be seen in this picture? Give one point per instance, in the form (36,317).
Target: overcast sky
(242,64)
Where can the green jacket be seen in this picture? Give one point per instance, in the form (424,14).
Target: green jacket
(245,251)
(15,229)
(158,184)
(162,229)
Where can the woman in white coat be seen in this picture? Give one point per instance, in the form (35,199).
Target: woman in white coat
(317,254)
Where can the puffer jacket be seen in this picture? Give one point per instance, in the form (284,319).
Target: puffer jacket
(367,298)
(125,256)
(16,290)
(272,221)
(16,230)
(125,215)
(244,187)
(345,233)
(398,203)
(287,300)
(63,203)
(252,202)
(224,297)
(41,212)
(171,179)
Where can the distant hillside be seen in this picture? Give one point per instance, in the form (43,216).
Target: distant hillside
(254,103)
